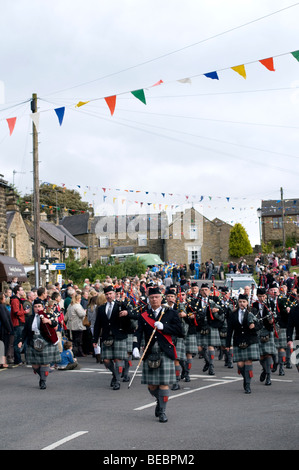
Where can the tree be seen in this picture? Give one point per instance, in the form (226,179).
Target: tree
(56,201)
(239,244)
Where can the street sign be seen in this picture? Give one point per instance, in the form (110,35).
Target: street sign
(57,267)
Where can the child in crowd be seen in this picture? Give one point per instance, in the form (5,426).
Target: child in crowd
(68,362)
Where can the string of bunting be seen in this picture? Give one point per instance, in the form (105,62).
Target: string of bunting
(268,63)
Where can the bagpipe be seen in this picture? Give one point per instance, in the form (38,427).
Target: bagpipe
(48,331)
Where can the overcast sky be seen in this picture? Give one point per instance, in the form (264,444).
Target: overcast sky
(221,145)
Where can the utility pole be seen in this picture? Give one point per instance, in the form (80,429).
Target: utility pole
(36,206)
(283,224)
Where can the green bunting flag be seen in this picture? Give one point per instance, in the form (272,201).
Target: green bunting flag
(296,55)
(139,94)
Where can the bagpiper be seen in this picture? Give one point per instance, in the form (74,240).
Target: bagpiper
(242,333)
(210,317)
(157,325)
(266,334)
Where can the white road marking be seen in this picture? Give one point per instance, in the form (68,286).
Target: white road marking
(188,392)
(65,439)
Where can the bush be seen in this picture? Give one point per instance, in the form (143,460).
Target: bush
(76,270)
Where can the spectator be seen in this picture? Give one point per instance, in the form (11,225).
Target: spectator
(18,320)
(6,329)
(74,319)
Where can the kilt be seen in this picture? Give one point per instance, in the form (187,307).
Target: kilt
(50,354)
(180,349)
(162,375)
(118,350)
(191,344)
(252,353)
(130,342)
(212,339)
(268,347)
(281,341)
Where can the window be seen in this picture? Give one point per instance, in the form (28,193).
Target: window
(277,222)
(193,232)
(142,239)
(103,242)
(194,254)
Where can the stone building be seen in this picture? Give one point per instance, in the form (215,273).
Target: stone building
(276,215)
(189,236)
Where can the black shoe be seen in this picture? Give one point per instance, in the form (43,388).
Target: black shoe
(263,375)
(268,380)
(116,386)
(126,378)
(187,378)
(281,371)
(205,367)
(211,370)
(247,388)
(163,418)
(42,385)
(175,387)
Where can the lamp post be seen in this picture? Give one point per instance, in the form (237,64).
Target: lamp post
(259,214)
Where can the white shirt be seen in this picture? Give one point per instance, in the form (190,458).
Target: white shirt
(241,315)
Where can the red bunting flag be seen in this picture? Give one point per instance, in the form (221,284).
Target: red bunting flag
(268,63)
(111,102)
(11,124)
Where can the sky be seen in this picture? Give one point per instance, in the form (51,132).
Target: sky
(221,145)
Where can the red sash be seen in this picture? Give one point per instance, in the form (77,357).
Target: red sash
(151,322)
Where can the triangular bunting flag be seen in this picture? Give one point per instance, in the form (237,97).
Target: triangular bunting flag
(139,94)
(158,83)
(81,103)
(296,55)
(240,69)
(111,101)
(185,80)
(212,75)
(35,119)
(268,63)
(60,114)
(11,124)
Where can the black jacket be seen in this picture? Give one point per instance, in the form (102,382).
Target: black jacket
(6,326)
(293,322)
(241,332)
(116,326)
(172,326)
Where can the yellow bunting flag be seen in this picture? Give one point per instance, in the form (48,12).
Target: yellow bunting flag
(240,69)
(81,103)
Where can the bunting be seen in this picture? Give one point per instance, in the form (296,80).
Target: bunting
(268,63)
(11,124)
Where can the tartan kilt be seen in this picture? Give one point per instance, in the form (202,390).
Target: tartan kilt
(50,354)
(191,344)
(281,341)
(212,339)
(162,375)
(252,353)
(180,349)
(268,347)
(118,350)
(130,342)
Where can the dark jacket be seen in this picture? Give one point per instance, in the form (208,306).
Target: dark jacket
(172,326)
(240,332)
(6,327)
(293,322)
(27,333)
(116,326)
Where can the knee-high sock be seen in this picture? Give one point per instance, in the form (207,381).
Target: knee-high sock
(163,399)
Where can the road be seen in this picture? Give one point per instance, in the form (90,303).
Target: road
(79,411)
